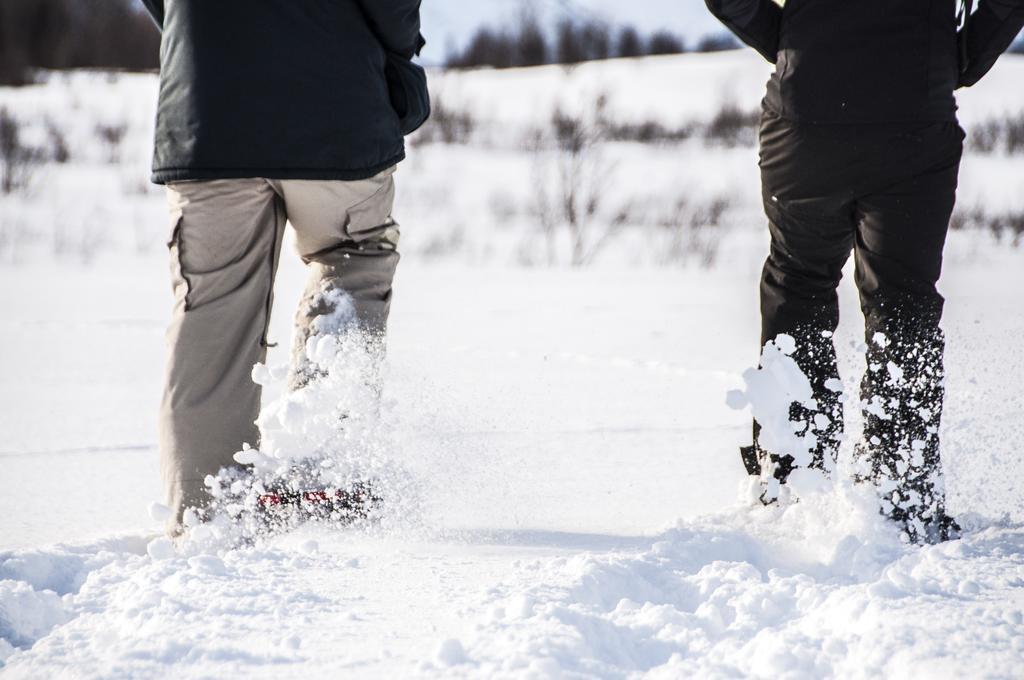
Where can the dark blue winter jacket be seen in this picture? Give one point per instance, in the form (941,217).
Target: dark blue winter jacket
(284,89)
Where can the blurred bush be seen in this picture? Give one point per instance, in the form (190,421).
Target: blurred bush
(1007,226)
(18,161)
(998,134)
(732,127)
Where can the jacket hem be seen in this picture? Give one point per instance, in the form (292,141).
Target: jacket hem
(169,175)
(947,116)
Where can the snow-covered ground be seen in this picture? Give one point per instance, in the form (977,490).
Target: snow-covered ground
(579,509)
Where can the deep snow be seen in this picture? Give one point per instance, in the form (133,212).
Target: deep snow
(579,509)
(558,423)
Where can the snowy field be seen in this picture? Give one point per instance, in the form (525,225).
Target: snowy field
(579,508)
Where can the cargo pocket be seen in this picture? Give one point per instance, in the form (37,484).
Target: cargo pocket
(371,217)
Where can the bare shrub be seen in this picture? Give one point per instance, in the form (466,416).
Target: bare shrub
(112,134)
(964,219)
(647,132)
(998,134)
(1005,225)
(18,162)
(570,189)
(59,151)
(1012,223)
(984,137)
(1015,135)
(691,231)
(732,127)
(576,214)
(446,126)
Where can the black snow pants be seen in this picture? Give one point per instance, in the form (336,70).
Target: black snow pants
(884,192)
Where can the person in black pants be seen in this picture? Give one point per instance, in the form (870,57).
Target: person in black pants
(860,152)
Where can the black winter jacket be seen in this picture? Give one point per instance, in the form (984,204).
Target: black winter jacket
(868,61)
(284,89)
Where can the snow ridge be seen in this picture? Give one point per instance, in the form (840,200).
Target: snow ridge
(712,599)
(819,588)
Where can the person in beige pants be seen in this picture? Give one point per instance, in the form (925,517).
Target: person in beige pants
(272,112)
(225,245)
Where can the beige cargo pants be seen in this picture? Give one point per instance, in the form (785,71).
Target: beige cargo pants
(225,245)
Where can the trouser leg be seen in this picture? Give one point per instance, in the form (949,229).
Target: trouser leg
(899,260)
(224,251)
(799,299)
(812,235)
(349,241)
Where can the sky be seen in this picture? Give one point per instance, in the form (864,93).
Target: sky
(448,23)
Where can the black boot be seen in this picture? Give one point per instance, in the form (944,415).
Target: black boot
(902,399)
(815,355)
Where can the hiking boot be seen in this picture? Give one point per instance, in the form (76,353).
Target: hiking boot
(343,506)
